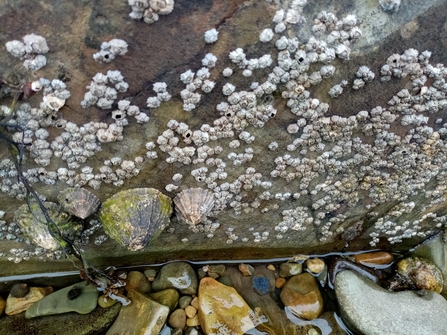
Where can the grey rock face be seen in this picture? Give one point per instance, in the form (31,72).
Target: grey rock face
(371,310)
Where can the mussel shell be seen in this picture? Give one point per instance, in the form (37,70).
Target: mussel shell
(193,205)
(34,226)
(19,290)
(74,292)
(133,217)
(78,202)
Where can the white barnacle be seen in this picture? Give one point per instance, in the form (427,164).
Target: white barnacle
(266,35)
(358,83)
(35,63)
(162,7)
(16,48)
(211,36)
(227,72)
(209,60)
(149,16)
(35,44)
(237,55)
(335,91)
(207,86)
(282,43)
(228,89)
(187,77)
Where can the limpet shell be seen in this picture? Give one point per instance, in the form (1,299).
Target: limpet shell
(133,217)
(34,226)
(78,202)
(193,205)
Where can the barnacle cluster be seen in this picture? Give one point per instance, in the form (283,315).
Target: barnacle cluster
(149,10)
(316,172)
(31,49)
(109,50)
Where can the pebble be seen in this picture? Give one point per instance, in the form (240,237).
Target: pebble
(58,302)
(127,322)
(302,295)
(138,281)
(271,267)
(15,305)
(372,310)
(168,297)
(2,305)
(106,302)
(184,301)
(178,275)
(218,270)
(377,257)
(150,274)
(177,319)
(279,282)
(190,311)
(246,269)
(195,302)
(290,269)
(194,322)
(222,309)
(421,273)
(261,285)
(315,265)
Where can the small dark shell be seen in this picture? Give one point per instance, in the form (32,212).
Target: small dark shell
(74,292)
(193,205)
(78,202)
(19,290)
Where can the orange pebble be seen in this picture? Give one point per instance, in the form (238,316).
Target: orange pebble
(279,282)
(377,257)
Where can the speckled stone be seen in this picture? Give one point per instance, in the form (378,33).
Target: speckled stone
(372,310)
(58,302)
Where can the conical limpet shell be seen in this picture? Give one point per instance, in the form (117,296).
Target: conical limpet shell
(193,205)
(133,217)
(78,202)
(34,226)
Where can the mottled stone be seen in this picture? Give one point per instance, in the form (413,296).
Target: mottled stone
(371,310)
(222,308)
(302,295)
(137,281)
(290,269)
(58,302)
(421,273)
(178,275)
(246,269)
(155,316)
(377,257)
(184,301)
(17,305)
(315,265)
(168,297)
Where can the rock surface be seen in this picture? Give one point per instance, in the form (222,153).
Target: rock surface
(142,316)
(58,302)
(302,295)
(168,297)
(222,309)
(371,310)
(137,281)
(17,305)
(178,275)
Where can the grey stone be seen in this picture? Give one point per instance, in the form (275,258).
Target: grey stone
(371,310)
(178,275)
(58,302)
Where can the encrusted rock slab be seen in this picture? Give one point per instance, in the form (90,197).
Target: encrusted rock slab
(371,310)
(142,316)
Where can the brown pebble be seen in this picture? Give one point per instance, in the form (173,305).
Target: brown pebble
(315,265)
(279,282)
(271,267)
(177,319)
(377,257)
(219,269)
(213,275)
(246,269)
(195,302)
(190,311)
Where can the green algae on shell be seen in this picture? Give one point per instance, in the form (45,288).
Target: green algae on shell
(78,201)
(35,228)
(133,217)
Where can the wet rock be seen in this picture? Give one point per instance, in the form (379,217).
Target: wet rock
(290,269)
(15,305)
(106,302)
(96,322)
(246,269)
(2,305)
(302,295)
(155,316)
(190,311)
(177,319)
(279,282)
(261,284)
(315,265)
(150,274)
(377,257)
(436,251)
(58,302)
(184,301)
(221,308)
(137,281)
(421,273)
(194,322)
(178,275)
(168,297)
(371,310)
(218,269)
